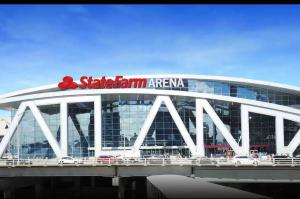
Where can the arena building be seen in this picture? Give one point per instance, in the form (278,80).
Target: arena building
(186,115)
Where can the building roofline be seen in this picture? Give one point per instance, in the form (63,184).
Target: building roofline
(273,85)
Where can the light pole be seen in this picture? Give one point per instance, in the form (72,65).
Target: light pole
(124,142)
(18,146)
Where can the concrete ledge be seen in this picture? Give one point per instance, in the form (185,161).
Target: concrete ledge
(57,171)
(229,173)
(153,170)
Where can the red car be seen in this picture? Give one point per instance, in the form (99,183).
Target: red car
(109,159)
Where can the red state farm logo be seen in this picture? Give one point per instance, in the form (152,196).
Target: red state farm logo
(67,83)
(102,83)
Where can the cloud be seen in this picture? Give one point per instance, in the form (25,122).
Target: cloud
(113,40)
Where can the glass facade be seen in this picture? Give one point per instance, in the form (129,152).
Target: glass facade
(262,133)
(241,91)
(123,116)
(122,119)
(229,113)
(29,141)
(80,129)
(163,131)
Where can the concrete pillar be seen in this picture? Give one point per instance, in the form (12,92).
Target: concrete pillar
(200,149)
(245,130)
(93,181)
(279,135)
(76,187)
(97,126)
(141,187)
(9,194)
(133,189)
(121,188)
(52,183)
(38,191)
(64,128)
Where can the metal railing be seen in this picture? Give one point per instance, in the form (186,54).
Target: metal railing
(292,162)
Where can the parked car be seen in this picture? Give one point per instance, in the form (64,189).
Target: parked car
(69,160)
(109,159)
(244,160)
(7,156)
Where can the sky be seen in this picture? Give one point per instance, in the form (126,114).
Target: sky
(39,44)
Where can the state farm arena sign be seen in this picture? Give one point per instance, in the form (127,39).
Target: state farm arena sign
(119,82)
